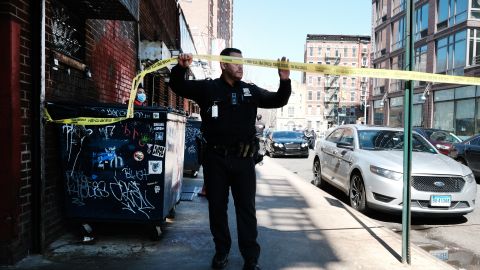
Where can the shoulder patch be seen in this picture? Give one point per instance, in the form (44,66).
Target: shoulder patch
(246,92)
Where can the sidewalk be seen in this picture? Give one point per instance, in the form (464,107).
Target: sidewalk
(300,227)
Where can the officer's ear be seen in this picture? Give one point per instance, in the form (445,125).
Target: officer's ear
(223,65)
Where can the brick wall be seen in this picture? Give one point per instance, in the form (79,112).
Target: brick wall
(110,54)
(159,22)
(15,243)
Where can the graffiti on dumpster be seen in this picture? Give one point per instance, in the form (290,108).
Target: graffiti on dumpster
(190,134)
(75,136)
(131,197)
(81,187)
(117,169)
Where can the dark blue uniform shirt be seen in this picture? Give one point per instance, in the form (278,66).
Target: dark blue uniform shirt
(237,105)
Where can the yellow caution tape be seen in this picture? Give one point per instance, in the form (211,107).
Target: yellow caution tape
(347,71)
(305,67)
(90,121)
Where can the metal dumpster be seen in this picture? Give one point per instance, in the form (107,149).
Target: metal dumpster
(191,165)
(129,171)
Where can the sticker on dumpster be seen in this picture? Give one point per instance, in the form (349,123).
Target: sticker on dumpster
(158,151)
(159,136)
(138,156)
(156,115)
(157,189)
(155,167)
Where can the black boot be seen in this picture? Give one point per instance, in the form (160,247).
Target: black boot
(251,266)
(220,260)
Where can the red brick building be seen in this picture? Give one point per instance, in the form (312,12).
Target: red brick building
(70,51)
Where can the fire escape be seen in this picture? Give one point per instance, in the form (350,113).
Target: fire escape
(332,89)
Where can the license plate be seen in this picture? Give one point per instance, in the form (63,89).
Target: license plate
(441,200)
(441,254)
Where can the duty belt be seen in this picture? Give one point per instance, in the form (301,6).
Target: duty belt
(238,150)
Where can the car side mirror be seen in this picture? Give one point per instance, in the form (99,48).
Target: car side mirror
(345,145)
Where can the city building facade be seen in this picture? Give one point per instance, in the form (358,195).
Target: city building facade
(333,99)
(446,34)
(292,116)
(212,32)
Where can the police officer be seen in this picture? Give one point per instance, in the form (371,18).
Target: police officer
(228,107)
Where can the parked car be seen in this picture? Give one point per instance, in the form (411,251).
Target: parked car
(468,153)
(286,143)
(366,162)
(441,139)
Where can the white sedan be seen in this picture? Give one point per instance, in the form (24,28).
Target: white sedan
(366,162)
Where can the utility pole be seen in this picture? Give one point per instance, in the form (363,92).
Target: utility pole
(407,136)
(365,107)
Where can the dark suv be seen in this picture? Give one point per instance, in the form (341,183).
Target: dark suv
(468,153)
(443,140)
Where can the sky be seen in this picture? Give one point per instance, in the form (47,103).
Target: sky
(270,29)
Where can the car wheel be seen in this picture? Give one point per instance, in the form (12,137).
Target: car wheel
(317,174)
(358,197)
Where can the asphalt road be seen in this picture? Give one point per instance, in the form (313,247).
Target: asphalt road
(455,240)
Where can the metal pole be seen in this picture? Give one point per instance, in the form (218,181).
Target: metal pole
(365,110)
(407,135)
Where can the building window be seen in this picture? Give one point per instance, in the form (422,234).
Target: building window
(398,34)
(421,22)
(309,109)
(380,42)
(451,12)
(319,93)
(310,95)
(380,11)
(475,10)
(319,79)
(354,82)
(345,50)
(310,80)
(310,51)
(474,48)
(378,112)
(352,96)
(421,59)
(396,112)
(451,54)
(354,52)
(291,111)
(327,54)
(379,83)
(396,64)
(319,51)
(344,82)
(398,6)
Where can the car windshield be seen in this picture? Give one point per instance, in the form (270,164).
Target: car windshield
(287,134)
(390,140)
(442,136)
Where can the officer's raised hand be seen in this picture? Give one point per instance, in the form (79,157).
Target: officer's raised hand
(283,73)
(185,60)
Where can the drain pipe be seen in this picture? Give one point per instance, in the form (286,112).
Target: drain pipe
(38,128)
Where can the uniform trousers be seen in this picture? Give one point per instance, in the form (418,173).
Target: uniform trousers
(223,171)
